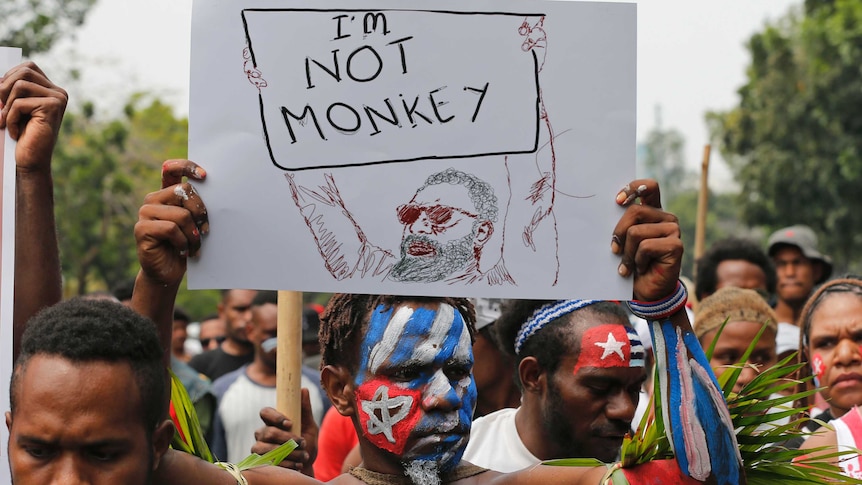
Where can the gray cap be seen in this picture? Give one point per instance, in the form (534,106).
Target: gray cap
(803,238)
(487,311)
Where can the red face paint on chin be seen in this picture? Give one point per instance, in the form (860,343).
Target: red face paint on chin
(387,414)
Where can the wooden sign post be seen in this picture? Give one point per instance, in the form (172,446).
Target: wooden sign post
(289,356)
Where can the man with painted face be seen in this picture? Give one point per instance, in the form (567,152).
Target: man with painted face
(242,393)
(572,355)
(400,367)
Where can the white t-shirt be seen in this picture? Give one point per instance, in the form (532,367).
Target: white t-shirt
(239,413)
(848,432)
(495,444)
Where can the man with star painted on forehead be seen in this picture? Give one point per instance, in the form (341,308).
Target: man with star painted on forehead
(571,355)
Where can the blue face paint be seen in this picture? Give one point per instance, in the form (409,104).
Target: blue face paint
(426,353)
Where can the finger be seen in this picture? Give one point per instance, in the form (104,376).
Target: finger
(152,234)
(307,415)
(646,190)
(651,253)
(637,234)
(27,71)
(636,215)
(173,171)
(28,101)
(187,195)
(180,218)
(272,417)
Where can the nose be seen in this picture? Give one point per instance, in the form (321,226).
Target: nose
(749,372)
(440,394)
(67,472)
(847,352)
(421,225)
(621,407)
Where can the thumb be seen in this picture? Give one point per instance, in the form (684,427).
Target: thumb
(306,414)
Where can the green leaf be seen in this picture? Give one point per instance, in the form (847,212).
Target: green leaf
(187,421)
(270,458)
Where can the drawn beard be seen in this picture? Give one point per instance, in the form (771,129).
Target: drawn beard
(442,262)
(423,472)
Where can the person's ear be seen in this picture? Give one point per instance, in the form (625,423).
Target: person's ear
(337,381)
(484,232)
(162,440)
(9,421)
(533,377)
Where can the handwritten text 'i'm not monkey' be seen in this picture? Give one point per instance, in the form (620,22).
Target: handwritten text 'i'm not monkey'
(364,64)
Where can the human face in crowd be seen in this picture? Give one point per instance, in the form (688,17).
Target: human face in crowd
(740,273)
(212,333)
(834,351)
(81,423)
(414,389)
(591,399)
(731,346)
(235,310)
(262,330)
(796,274)
(440,230)
(178,336)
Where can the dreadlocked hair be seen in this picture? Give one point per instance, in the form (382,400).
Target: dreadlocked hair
(347,315)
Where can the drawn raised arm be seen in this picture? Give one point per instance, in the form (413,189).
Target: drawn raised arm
(343,245)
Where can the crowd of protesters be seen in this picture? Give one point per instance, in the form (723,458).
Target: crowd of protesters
(475,390)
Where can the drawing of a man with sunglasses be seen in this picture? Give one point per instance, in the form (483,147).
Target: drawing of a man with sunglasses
(446,226)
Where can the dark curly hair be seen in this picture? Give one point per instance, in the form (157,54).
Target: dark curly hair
(731,249)
(82,331)
(347,316)
(556,339)
(481,192)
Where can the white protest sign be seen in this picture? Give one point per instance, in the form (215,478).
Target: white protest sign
(440,148)
(9,58)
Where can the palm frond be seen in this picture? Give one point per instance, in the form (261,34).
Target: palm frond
(188,436)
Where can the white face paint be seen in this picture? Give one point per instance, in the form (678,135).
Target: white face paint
(414,385)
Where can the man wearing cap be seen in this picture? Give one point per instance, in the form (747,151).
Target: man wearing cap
(580,367)
(799,265)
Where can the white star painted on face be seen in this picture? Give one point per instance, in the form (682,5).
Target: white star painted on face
(818,366)
(612,346)
(387,419)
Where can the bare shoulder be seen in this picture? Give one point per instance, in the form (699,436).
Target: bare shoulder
(823,442)
(822,437)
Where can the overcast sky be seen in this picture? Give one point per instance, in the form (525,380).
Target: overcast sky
(691,58)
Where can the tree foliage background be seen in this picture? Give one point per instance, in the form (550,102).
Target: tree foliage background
(794,142)
(35,25)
